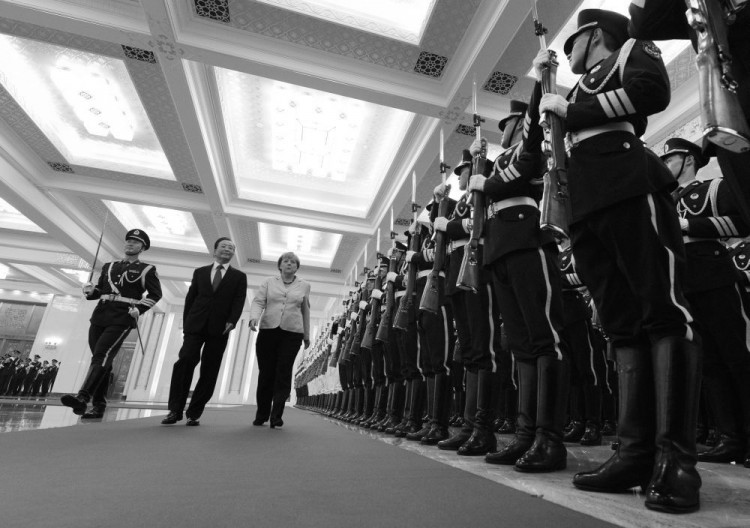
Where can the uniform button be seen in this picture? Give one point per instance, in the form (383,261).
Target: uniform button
(716,253)
(626,145)
(520,216)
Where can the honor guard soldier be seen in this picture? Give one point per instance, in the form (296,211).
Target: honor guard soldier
(523,262)
(627,243)
(125,290)
(707,217)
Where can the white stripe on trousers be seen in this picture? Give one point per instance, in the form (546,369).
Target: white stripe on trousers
(548,303)
(492,329)
(446,340)
(685,312)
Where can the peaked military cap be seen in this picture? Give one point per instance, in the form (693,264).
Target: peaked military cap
(139,235)
(517,108)
(613,23)
(683,146)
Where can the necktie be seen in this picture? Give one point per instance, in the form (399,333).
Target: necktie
(217,277)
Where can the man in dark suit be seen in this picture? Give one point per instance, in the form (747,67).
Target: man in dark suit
(213,306)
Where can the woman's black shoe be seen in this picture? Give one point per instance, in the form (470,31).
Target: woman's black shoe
(276,422)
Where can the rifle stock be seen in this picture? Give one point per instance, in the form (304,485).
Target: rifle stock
(433,291)
(724,123)
(386,321)
(368,339)
(468,274)
(406,311)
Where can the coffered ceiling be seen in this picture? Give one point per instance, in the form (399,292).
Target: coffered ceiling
(284,124)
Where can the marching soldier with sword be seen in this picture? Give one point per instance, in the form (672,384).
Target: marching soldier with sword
(120,291)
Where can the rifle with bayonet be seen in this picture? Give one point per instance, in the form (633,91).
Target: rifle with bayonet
(406,311)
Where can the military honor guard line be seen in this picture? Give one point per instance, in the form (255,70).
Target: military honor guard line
(581,286)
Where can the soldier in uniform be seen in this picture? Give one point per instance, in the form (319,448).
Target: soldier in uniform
(523,263)
(125,290)
(708,216)
(627,242)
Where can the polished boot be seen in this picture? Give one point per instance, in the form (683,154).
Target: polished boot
(399,392)
(343,403)
(369,403)
(482,439)
(381,425)
(729,448)
(459,398)
(721,400)
(675,483)
(633,461)
(397,430)
(592,436)
(79,402)
(574,431)
(359,403)
(378,408)
(98,399)
(430,404)
(441,411)
(525,420)
(416,408)
(548,452)
(470,411)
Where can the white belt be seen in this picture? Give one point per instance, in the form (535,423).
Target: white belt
(496,207)
(424,273)
(453,245)
(399,294)
(119,298)
(688,239)
(574,138)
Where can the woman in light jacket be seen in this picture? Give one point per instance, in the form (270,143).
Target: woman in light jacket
(282,306)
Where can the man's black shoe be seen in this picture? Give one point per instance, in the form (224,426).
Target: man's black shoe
(172,418)
(95,413)
(258,421)
(75,402)
(193,422)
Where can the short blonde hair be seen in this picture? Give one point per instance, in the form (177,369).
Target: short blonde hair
(288,255)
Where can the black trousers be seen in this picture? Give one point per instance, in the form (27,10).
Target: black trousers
(105,342)
(378,364)
(407,343)
(196,348)
(632,259)
(275,350)
(528,288)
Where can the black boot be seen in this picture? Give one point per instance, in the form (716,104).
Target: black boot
(79,402)
(397,431)
(574,431)
(378,408)
(526,419)
(345,399)
(429,399)
(416,409)
(592,436)
(470,410)
(482,440)
(369,397)
(99,399)
(675,483)
(399,394)
(440,413)
(720,398)
(631,465)
(575,428)
(548,452)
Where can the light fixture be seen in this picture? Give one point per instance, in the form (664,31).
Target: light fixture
(4,271)
(81,276)
(167,228)
(314,248)
(670,49)
(299,147)
(403,20)
(86,105)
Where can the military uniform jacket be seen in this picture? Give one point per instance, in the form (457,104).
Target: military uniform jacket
(610,167)
(126,279)
(711,216)
(741,257)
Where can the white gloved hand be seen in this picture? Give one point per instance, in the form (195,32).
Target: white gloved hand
(554,103)
(541,60)
(684,224)
(429,254)
(476,183)
(376,294)
(134,313)
(410,255)
(476,146)
(353,316)
(440,190)
(362,305)
(88,288)
(440,223)
(391,276)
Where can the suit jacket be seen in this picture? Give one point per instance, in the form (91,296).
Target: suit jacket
(207,312)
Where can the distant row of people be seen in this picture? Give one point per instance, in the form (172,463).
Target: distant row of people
(26,376)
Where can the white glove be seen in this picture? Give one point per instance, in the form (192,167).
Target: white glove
(389,253)
(410,255)
(684,224)
(440,190)
(353,316)
(88,288)
(477,145)
(349,322)
(554,103)
(440,223)
(391,276)
(362,305)
(476,183)
(541,60)
(466,223)
(376,294)
(134,313)
(412,228)
(340,330)
(429,254)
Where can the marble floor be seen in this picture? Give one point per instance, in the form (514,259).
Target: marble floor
(725,495)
